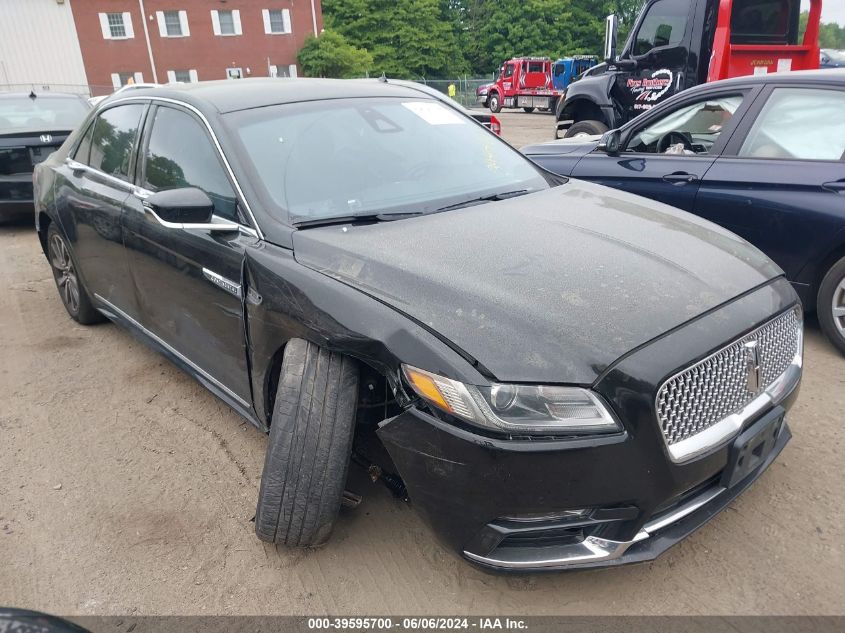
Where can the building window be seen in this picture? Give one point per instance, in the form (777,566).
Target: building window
(121,79)
(276,21)
(116,26)
(283,70)
(173,23)
(182,76)
(226,22)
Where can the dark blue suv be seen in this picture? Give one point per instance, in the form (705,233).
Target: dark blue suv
(763,156)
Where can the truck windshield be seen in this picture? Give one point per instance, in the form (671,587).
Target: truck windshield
(765,21)
(350,157)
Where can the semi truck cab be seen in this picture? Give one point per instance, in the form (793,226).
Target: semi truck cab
(677,44)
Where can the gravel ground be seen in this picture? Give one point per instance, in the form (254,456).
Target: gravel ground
(126,488)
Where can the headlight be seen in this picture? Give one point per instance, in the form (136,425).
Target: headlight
(541,409)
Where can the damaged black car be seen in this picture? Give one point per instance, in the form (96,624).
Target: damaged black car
(556,374)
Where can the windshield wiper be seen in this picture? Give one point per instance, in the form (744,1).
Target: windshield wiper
(491,198)
(362,218)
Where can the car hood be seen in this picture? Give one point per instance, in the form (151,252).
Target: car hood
(550,287)
(578,146)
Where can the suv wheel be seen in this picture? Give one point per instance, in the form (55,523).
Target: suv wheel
(71,290)
(309,448)
(830,305)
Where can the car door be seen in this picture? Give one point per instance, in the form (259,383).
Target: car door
(665,154)
(92,189)
(780,183)
(188,280)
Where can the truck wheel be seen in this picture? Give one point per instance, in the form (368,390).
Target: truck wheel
(586,128)
(830,305)
(528,110)
(495,103)
(71,289)
(309,447)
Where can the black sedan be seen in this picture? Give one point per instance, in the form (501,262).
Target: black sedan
(762,156)
(31,127)
(562,375)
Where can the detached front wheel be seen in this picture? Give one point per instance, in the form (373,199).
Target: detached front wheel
(309,447)
(830,305)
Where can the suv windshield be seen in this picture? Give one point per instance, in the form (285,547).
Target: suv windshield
(353,157)
(41,114)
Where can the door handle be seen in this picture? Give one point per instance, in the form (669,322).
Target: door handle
(680,178)
(837,186)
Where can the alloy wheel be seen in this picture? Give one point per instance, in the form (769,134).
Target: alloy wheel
(65,273)
(839,307)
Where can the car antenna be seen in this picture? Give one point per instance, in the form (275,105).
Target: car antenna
(383,78)
(32,95)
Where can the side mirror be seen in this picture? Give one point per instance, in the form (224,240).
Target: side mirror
(187,205)
(611,30)
(609,142)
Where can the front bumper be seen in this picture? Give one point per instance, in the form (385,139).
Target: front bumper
(507,504)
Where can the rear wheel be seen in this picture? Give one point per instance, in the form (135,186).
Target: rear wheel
(830,305)
(71,290)
(309,447)
(528,110)
(495,103)
(586,128)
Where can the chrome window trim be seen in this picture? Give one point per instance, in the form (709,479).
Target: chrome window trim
(238,190)
(715,436)
(75,165)
(175,352)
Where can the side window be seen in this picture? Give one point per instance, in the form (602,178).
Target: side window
(180,154)
(788,127)
(113,140)
(690,130)
(663,25)
(508,71)
(83,150)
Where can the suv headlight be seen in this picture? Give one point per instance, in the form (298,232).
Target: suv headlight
(519,409)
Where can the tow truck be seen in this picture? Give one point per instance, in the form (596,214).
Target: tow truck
(567,69)
(677,44)
(524,82)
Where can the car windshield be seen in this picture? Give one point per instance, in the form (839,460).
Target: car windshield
(348,157)
(41,114)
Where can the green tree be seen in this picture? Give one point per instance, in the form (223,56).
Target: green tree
(831,35)
(330,55)
(407,38)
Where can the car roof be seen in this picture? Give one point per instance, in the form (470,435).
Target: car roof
(829,76)
(229,95)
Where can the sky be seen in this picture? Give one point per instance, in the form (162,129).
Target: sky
(832,10)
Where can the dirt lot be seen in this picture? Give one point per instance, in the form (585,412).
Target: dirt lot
(126,488)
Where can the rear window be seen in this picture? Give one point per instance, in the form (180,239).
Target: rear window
(765,22)
(40,114)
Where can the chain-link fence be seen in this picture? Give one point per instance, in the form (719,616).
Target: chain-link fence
(464,88)
(76,89)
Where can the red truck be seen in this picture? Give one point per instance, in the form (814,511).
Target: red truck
(524,82)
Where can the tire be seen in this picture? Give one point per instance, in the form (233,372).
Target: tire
(309,447)
(586,128)
(72,291)
(830,305)
(495,103)
(528,110)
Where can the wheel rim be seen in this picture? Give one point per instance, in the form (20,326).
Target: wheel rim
(65,273)
(839,307)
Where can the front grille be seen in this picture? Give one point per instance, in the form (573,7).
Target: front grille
(717,387)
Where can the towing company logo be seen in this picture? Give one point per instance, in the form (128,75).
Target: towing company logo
(648,90)
(46,138)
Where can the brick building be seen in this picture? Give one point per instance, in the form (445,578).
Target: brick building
(94,46)
(191,40)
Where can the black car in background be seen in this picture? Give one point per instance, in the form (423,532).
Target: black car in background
(562,374)
(31,127)
(762,156)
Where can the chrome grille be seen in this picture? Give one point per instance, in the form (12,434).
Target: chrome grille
(717,387)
